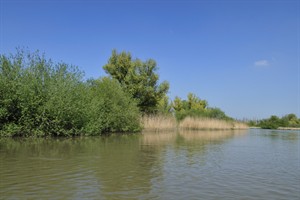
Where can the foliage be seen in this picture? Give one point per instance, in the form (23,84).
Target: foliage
(110,109)
(164,106)
(40,98)
(195,107)
(275,122)
(138,79)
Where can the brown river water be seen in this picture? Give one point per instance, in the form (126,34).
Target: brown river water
(251,164)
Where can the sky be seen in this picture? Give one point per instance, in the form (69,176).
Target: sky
(240,55)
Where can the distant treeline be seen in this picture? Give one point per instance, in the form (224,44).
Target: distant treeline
(275,122)
(196,107)
(39,97)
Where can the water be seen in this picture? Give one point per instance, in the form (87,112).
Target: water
(254,164)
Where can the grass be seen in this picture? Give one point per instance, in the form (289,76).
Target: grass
(190,123)
(169,123)
(239,125)
(159,123)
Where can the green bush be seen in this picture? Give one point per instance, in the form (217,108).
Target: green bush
(110,109)
(214,113)
(274,122)
(41,98)
(195,107)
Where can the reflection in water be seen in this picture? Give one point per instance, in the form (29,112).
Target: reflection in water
(189,137)
(282,135)
(182,165)
(77,168)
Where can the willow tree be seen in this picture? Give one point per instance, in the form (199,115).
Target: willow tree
(140,79)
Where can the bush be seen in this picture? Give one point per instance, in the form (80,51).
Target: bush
(275,122)
(196,108)
(212,113)
(110,109)
(40,98)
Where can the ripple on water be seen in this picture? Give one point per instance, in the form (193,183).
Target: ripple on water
(256,165)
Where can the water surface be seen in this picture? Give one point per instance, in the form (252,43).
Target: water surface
(254,164)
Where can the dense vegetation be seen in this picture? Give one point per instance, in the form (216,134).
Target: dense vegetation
(40,98)
(195,107)
(275,122)
(139,79)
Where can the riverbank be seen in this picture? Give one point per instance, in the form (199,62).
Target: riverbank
(288,128)
(279,128)
(169,123)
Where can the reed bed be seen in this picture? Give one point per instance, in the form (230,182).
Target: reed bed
(168,123)
(190,123)
(240,125)
(159,123)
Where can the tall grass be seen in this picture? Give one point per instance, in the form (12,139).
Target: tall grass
(163,123)
(239,125)
(191,123)
(159,123)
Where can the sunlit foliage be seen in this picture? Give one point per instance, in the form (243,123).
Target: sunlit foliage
(138,78)
(39,97)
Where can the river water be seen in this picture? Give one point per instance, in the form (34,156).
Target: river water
(251,164)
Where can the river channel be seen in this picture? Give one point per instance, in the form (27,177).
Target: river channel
(250,164)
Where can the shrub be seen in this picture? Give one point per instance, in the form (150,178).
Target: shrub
(40,98)
(110,109)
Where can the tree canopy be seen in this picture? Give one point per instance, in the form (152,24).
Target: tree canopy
(139,79)
(196,107)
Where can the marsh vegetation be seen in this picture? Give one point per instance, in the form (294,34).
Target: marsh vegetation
(39,97)
(289,121)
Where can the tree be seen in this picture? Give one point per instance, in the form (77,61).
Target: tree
(137,78)
(195,103)
(177,104)
(196,107)
(164,106)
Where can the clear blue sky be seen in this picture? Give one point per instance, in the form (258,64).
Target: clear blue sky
(241,56)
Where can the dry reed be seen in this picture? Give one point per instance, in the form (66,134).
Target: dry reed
(159,123)
(168,123)
(240,125)
(190,123)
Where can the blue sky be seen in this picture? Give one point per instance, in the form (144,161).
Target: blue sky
(241,56)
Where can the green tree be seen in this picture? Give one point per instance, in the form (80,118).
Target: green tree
(177,104)
(272,123)
(195,103)
(164,106)
(293,120)
(137,78)
(196,107)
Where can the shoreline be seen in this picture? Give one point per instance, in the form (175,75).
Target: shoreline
(279,128)
(288,128)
